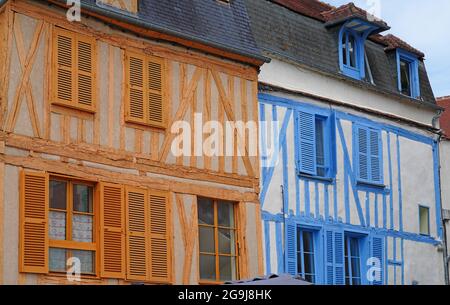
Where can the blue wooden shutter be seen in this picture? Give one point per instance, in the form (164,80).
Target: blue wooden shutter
(334,257)
(307,143)
(363,153)
(291,249)
(375,156)
(377,250)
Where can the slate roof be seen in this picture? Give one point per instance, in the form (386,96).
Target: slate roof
(216,24)
(294,33)
(444,102)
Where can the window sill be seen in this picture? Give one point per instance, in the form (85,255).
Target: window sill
(210,283)
(149,126)
(369,185)
(90,110)
(316,178)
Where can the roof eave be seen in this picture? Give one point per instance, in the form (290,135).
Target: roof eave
(260,59)
(380,27)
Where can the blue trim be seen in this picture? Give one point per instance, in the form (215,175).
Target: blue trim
(267,237)
(391,195)
(400,197)
(413,62)
(279,245)
(437,189)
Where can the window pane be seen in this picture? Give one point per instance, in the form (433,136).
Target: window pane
(344,48)
(424,220)
(206,239)
(308,242)
(354,247)
(227,266)
(207,267)
(310,278)
(205,211)
(225,214)
(352,50)
(299,263)
(57,259)
(226,241)
(82,228)
(309,263)
(355,267)
(87,260)
(82,198)
(58,194)
(57,225)
(404,77)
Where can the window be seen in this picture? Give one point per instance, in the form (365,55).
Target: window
(145,90)
(217,240)
(314,157)
(368,154)
(351,53)
(74,70)
(424,220)
(352,261)
(71,225)
(408,74)
(305,255)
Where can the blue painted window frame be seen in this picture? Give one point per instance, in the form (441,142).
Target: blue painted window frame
(329,144)
(357,72)
(413,62)
(349,276)
(369,181)
(420,221)
(301,253)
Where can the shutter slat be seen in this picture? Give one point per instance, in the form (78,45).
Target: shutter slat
(33,223)
(136,89)
(307,143)
(291,248)
(85,64)
(378,252)
(362,144)
(159,237)
(335,267)
(137,224)
(375,162)
(112,231)
(64,63)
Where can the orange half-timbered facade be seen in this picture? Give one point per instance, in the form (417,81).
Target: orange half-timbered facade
(87,169)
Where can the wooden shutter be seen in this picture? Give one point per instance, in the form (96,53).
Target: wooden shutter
(112,221)
(363,153)
(377,251)
(334,257)
(137,228)
(155,91)
(291,249)
(375,156)
(159,236)
(64,64)
(33,254)
(307,143)
(136,89)
(85,71)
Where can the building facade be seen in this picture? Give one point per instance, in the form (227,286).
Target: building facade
(350,188)
(87,169)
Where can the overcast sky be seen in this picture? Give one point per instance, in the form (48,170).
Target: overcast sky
(423,24)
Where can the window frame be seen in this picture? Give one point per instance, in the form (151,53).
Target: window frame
(216,253)
(420,220)
(357,72)
(413,62)
(315,245)
(348,260)
(68,244)
(328,123)
(369,181)
(75,36)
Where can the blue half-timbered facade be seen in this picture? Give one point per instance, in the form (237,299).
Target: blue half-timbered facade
(350,188)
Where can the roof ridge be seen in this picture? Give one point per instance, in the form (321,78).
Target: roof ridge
(394,42)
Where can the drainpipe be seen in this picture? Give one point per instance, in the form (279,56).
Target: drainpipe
(446,257)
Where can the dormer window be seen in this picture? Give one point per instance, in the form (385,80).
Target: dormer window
(351,54)
(408,74)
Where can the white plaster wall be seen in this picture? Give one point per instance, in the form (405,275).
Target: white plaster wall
(423,263)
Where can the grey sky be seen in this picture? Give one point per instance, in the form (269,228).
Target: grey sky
(423,24)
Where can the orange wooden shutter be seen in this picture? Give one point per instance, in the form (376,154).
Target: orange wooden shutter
(112,222)
(136,90)
(64,63)
(33,222)
(85,71)
(155,91)
(159,237)
(137,224)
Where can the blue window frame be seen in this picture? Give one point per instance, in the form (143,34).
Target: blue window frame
(408,74)
(424,220)
(368,155)
(351,53)
(352,259)
(314,138)
(306,258)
